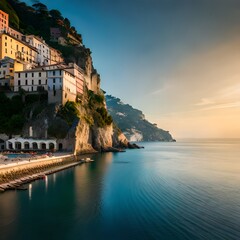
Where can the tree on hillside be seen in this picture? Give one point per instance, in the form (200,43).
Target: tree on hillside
(67,23)
(56,15)
(40,7)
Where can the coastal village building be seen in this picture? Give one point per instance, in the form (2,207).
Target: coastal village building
(63,82)
(3,20)
(30,80)
(8,66)
(30,144)
(4,26)
(79,76)
(55,33)
(17,49)
(43,50)
(55,56)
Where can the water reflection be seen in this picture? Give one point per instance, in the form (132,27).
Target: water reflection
(46,182)
(30,191)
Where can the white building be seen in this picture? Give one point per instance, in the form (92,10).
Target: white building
(63,82)
(43,56)
(31,80)
(30,144)
(79,76)
(61,86)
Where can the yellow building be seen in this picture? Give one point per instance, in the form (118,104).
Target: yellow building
(17,49)
(8,66)
(55,56)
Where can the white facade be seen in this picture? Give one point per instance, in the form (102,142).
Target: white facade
(30,144)
(30,80)
(43,56)
(79,76)
(61,86)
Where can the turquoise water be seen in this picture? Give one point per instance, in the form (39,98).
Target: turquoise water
(184,190)
(17,155)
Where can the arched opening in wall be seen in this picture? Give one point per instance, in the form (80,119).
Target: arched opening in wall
(43,146)
(2,144)
(34,146)
(51,146)
(26,146)
(18,145)
(10,145)
(60,147)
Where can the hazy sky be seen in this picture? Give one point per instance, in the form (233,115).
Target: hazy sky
(176,60)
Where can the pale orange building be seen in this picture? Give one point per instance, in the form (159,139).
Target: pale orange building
(3,20)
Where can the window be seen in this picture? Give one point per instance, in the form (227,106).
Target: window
(5,50)
(26,83)
(53,80)
(53,73)
(39,74)
(39,81)
(25,74)
(5,44)
(19,75)
(19,82)
(32,82)
(32,74)
(46,81)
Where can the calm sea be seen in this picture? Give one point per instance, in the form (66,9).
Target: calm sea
(183,190)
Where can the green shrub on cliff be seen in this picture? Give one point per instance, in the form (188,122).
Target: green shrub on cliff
(98,110)
(69,112)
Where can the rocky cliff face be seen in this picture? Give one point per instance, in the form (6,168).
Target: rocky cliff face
(81,127)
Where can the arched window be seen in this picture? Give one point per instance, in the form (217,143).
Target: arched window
(51,146)
(26,145)
(34,145)
(43,146)
(18,145)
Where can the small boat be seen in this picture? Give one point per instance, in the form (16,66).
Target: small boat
(87,160)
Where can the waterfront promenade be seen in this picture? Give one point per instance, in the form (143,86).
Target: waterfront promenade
(17,162)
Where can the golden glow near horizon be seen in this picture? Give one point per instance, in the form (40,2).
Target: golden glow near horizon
(203,93)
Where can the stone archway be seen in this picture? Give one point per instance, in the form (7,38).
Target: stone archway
(18,145)
(26,145)
(43,146)
(10,145)
(34,146)
(51,146)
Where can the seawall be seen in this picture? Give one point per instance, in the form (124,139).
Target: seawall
(34,169)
